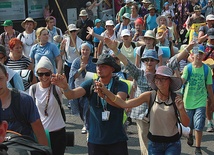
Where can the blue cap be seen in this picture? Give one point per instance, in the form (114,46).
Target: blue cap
(201,48)
(150,53)
(166,3)
(97,21)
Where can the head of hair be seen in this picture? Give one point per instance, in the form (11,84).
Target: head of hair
(39,32)
(49,18)
(13,42)
(2,67)
(136,6)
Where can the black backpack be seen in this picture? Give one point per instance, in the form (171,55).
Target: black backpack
(16,144)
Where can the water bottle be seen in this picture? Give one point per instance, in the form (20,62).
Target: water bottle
(195,47)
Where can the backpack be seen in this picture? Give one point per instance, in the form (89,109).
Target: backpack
(143,47)
(3,37)
(56,95)
(16,144)
(189,69)
(121,44)
(151,103)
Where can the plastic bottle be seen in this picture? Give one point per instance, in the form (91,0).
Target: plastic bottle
(195,39)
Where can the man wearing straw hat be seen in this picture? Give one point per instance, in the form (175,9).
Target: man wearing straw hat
(82,23)
(28,37)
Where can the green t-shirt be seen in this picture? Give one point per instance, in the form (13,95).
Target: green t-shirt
(195,94)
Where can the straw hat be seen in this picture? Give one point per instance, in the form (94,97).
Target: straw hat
(149,34)
(29,19)
(72,27)
(83,13)
(175,84)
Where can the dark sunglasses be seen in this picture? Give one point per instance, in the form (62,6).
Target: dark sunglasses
(46,74)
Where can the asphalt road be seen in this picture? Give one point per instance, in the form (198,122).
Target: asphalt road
(75,124)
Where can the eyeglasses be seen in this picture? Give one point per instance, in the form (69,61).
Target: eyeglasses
(148,59)
(45,73)
(160,79)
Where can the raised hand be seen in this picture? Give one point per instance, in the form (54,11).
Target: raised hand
(59,80)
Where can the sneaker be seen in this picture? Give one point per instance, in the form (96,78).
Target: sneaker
(84,131)
(198,151)
(210,127)
(190,140)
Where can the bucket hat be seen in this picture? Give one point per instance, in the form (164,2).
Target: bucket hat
(126,15)
(210,17)
(97,21)
(146,1)
(162,29)
(106,59)
(151,6)
(29,19)
(83,13)
(150,53)
(72,27)
(149,34)
(125,32)
(210,33)
(109,23)
(129,1)
(7,23)
(175,84)
(162,16)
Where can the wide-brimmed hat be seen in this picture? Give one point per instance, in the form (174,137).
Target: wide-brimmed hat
(7,23)
(29,19)
(83,13)
(175,84)
(162,29)
(162,16)
(151,6)
(146,1)
(72,27)
(106,59)
(149,34)
(150,53)
(210,17)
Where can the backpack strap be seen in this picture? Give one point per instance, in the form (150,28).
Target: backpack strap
(133,44)
(142,49)
(151,101)
(120,45)
(12,82)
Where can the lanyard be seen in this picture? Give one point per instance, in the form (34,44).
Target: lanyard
(103,101)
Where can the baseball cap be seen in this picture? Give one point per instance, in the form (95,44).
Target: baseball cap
(7,23)
(210,33)
(3,50)
(125,32)
(97,21)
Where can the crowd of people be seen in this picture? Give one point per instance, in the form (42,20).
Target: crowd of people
(153,66)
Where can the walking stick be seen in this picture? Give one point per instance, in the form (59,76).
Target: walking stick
(66,25)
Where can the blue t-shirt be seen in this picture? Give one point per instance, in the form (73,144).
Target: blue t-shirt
(50,50)
(151,22)
(28,109)
(105,132)
(98,31)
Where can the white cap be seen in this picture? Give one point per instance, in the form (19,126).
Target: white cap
(129,1)
(210,17)
(109,22)
(125,32)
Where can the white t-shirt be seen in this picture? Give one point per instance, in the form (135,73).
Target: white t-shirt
(54,121)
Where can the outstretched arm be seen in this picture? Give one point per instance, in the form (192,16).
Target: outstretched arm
(90,31)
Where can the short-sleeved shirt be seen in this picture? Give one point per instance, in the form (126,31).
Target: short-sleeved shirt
(98,31)
(28,109)
(49,50)
(195,94)
(105,132)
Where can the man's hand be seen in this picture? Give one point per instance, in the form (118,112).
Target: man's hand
(112,44)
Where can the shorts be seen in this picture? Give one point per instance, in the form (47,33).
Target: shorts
(197,118)
(96,44)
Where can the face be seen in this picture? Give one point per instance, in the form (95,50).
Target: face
(104,70)
(146,5)
(152,12)
(125,21)
(17,50)
(44,76)
(8,28)
(50,23)
(85,51)
(162,21)
(126,38)
(211,41)
(3,82)
(138,27)
(109,28)
(162,81)
(198,13)
(44,36)
(198,57)
(149,42)
(150,63)
(133,9)
(29,26)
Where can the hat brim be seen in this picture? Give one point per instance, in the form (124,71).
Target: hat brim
(142,59)
(211,36)
(175,84)
(116,67)
(83,15)
(158,20)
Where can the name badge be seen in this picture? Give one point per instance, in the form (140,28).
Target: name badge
(105,115)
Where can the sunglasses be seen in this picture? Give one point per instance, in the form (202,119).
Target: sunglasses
(160,79)
(45,73)
(149,59)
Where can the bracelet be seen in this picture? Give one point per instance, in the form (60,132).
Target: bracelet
(66,90)
(115,98)
(118,52)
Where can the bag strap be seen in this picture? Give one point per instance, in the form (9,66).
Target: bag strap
(120,45)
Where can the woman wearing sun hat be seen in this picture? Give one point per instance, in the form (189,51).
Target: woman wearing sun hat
(164,137)
(28,37)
